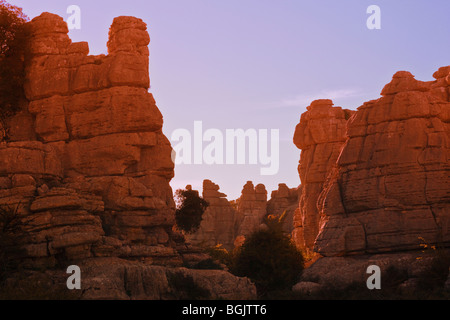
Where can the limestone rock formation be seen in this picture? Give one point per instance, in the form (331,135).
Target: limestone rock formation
(219,224)
(252,208)
(228,225)
(339,273)
(320,135)
(89,168)
(284,201)
(390,189)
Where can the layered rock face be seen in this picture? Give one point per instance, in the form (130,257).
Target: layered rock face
(229,225)
(220,220)
(252,208)
(99,161)
(87,166)
(320,134)
(390,190)
(284,201)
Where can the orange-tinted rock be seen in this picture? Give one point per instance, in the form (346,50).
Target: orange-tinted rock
(219,221)
(284,201)
(391,185)
(87,166)
(252,208)
(99,133)
(320,134)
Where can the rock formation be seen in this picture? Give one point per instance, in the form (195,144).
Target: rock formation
(87,165)
(284,201)
(229,225)
(391,186)
(387,194)
(219,224)
(252,208)
(320,134)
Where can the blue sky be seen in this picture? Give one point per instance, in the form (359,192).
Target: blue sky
(259,63)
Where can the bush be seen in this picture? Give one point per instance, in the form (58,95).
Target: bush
(185,288)
(190,209)
(10,223)
(269,258)
(13,49)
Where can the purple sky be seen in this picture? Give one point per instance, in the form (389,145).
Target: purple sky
(257,64)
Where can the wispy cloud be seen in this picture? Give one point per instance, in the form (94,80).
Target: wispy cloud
(304,100)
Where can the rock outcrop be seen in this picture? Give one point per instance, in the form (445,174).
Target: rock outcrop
(387,195)
(284,201)
(390,189)
(220,220)
(229,224)
(320,135)
(252,208)
(87,165)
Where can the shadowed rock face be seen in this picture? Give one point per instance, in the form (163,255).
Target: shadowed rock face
(390,189)
(219,221)
(320,134)
(228,225)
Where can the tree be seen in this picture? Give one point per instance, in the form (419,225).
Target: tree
(269,258)
(14,36)
(190,209)
(10,224)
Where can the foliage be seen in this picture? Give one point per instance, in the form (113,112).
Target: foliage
(13,49)
(190,209)
(185,288)
(10,223)
(219,253)
(269,258)
(208,264)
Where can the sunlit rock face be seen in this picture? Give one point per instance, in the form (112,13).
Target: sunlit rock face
(92,179)
(320,135)
(88,168)
(387,185)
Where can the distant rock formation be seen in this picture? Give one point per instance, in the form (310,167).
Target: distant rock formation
(320,135)
(284,201)
(252,208)
(88,165)
(219,221)
(229,225)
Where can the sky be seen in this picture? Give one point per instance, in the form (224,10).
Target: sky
(257,64)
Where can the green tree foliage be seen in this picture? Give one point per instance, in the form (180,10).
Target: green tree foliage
(190,209)
(13,49)
(269,258)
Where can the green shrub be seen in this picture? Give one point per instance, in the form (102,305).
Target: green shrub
(185,288)
(269,258)
(190,209)
(13,49)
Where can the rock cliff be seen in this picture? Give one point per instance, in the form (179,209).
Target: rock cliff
(87,165)
(383,191)
(320,135)
(390,189)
